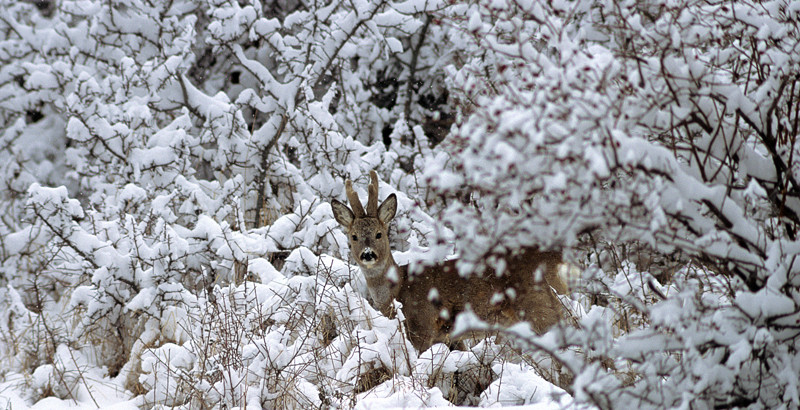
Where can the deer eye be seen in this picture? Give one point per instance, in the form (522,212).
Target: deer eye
(378,235)
(355,238)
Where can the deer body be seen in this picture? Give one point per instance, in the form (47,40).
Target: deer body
(434,297)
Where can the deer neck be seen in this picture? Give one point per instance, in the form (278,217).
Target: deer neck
(384,282)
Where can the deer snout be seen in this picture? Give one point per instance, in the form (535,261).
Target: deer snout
(368,256)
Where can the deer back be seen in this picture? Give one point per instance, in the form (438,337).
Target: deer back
(433,298)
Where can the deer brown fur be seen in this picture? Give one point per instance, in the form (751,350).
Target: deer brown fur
(433,298)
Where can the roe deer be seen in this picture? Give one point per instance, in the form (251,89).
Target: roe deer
(432,299)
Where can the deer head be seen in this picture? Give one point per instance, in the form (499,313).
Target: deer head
(367,232)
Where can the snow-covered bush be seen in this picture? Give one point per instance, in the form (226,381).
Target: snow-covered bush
(600,125)
(167,167)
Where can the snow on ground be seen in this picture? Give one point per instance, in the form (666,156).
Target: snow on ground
(102,392)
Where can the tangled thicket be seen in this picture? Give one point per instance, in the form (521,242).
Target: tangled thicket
(167,169)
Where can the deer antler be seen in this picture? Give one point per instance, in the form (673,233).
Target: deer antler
(352,196)
(372,190)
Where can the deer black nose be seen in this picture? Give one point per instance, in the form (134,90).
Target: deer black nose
(368,255)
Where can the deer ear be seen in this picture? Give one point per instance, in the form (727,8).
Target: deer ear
(342,214)
(387,209)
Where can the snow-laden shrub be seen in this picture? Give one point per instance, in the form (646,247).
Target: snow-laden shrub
(601,125)
(166,171)
(161,159)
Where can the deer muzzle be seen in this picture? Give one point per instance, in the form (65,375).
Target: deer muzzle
(368,256)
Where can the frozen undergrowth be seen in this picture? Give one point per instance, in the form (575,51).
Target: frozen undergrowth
(166,170)
(289,342)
